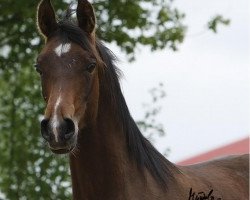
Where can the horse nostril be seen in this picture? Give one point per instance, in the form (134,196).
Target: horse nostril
(68,135)
(45,129)
(70,128)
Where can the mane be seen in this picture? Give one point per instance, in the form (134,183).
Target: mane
(139,148)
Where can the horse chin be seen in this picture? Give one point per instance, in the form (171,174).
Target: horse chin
(60,151)
(63,147)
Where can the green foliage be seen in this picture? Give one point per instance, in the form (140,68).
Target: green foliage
(131,23)
(215,21)
(149,124)
(27,168)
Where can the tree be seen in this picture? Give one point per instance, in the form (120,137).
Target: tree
(27,168)
(149,125)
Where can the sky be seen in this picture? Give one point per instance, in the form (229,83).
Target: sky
(206,81)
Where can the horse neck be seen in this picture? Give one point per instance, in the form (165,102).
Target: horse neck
(101,166)
(102,169)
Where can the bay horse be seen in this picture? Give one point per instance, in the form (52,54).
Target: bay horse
(87,117)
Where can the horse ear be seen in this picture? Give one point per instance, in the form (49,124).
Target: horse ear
(46,18)
(86,16)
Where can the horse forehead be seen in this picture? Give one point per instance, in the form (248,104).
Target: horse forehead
(62,48)
(66,52)
(56,51)
(65,49)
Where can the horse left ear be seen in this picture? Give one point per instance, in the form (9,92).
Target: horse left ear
(46,19)
(86,16)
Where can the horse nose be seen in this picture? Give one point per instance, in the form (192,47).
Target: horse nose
(45,130)
(68,129)
(61,132)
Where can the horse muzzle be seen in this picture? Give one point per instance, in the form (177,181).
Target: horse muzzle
(61,135)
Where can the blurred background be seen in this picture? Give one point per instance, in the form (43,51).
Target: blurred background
(206,81)
(186,82)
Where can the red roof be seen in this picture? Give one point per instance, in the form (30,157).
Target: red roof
(239,147)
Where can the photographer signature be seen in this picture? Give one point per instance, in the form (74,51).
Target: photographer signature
(201,195)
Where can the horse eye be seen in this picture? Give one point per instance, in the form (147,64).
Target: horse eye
(37,68)
(91,67)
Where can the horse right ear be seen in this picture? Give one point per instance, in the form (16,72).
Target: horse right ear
(46,19)
(86,16)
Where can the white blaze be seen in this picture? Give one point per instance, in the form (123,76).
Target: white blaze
(55,120)
(62,49)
